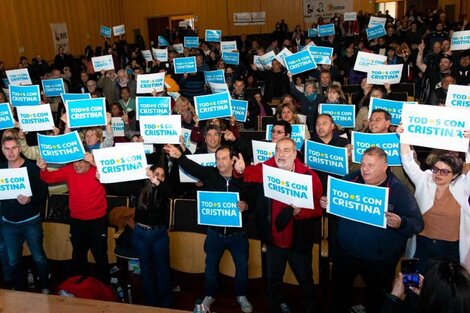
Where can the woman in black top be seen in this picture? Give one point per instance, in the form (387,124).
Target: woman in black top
(150,238)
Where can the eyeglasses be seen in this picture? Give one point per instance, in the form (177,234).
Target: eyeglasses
(279,132)
(443,171)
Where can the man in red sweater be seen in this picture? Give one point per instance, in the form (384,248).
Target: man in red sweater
(287,229)
(88,220)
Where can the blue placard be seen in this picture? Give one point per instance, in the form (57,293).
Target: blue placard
(6,117)
(191,41)
(232,58)
(391,106)
(326,158)
(185,65)
(376,31)
(326,30)
(343,115)
(357,202)
(300,62)
(162,42)
(24,95)
(152,106)
(87,112)
(213,35)
(53,87)
(312,32)
(389,142)
(321,55)
(74,96)
(239,109)
(298,134)
(217,76)
(213,106)
(61,149)
(105,31)
(218,209)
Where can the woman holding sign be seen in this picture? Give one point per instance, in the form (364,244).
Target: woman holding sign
(442,194)
(150,238)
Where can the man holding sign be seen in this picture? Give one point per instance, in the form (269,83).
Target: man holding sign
(369,250)
(88,217)
(21,217)
(221,238)
(287,230)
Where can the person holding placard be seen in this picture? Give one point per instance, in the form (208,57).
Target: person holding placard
(368,250)
(88,220)
(442,194)
(150,238)
(219,239)
(308,100)
(325,133)
(287,229)
(21,218)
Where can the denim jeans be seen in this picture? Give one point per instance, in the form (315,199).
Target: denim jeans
(214,246)
(7,274)
(427,249)
(14,236)
(90,235)
(301,265)
(153,249)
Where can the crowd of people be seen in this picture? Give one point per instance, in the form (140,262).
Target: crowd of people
(428,201)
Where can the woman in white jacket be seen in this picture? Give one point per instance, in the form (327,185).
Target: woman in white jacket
(443,197)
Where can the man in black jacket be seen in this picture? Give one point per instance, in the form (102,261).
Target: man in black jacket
(220,239)
(22,217)
(371,251)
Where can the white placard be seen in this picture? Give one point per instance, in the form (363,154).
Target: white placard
(280,56)
(204,159)
(160,54)
(186,133)
(148,83)
(178,47)
(458,96)
(119,30)
(390,74)
(350,16)
(218,87)
(435,127)
(460,40)
(365,61)
(267,59)
(35,117)
(374,20)
(101,63)
(14,182)
(19,77)
(121,163)
(228,46)
(288,187)
(117,125)
(147,55)
(160,129)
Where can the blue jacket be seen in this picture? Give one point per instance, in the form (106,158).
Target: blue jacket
(374,244)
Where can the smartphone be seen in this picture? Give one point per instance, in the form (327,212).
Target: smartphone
(409,269)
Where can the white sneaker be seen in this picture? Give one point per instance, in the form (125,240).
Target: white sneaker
(45,291)
(207,302)
(245,305)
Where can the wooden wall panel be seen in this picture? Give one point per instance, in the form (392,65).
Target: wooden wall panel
(211,13)
(9,48)
(28,25)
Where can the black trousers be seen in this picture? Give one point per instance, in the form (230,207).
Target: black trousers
(301,265)
(378,277)
(90,235)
